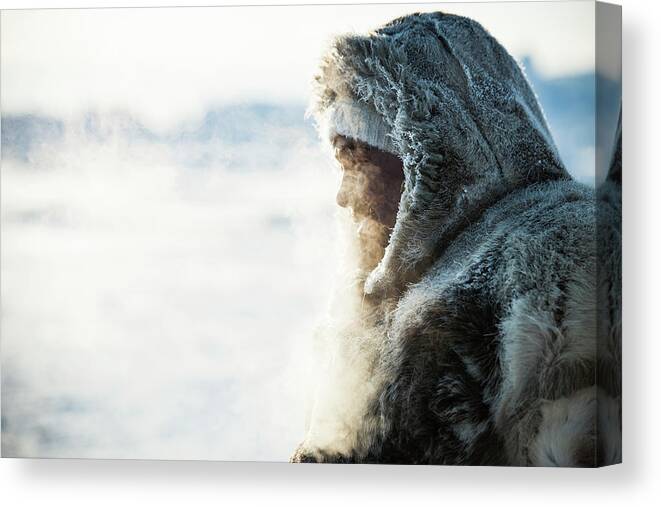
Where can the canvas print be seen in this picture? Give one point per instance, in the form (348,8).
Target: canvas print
(378,234)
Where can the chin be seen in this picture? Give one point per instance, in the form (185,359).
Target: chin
(372,238)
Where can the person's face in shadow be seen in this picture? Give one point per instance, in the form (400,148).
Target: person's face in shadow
(371,181)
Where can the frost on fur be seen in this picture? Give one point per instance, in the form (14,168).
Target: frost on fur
(470,336)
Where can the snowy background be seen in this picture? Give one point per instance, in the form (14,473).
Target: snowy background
(168,237)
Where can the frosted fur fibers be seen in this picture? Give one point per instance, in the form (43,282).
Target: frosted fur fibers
(474,339)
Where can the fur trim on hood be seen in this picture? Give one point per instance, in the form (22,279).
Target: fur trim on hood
(441,93)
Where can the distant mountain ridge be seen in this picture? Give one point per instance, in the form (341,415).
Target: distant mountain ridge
(21,133)
(233,124)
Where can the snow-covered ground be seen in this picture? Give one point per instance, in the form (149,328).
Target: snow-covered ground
(157,307)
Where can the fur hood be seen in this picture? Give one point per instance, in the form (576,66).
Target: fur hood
(442,94)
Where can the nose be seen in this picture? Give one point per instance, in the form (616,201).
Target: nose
(342,197)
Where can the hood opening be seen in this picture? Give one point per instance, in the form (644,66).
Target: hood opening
(371,188)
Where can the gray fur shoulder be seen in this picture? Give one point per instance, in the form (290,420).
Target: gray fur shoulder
(493,348)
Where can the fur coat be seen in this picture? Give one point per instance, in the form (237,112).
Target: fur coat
(489,331)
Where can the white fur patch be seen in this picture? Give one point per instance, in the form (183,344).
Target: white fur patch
(567,430)
(357,121)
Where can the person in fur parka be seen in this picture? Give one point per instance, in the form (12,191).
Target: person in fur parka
(466,328)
